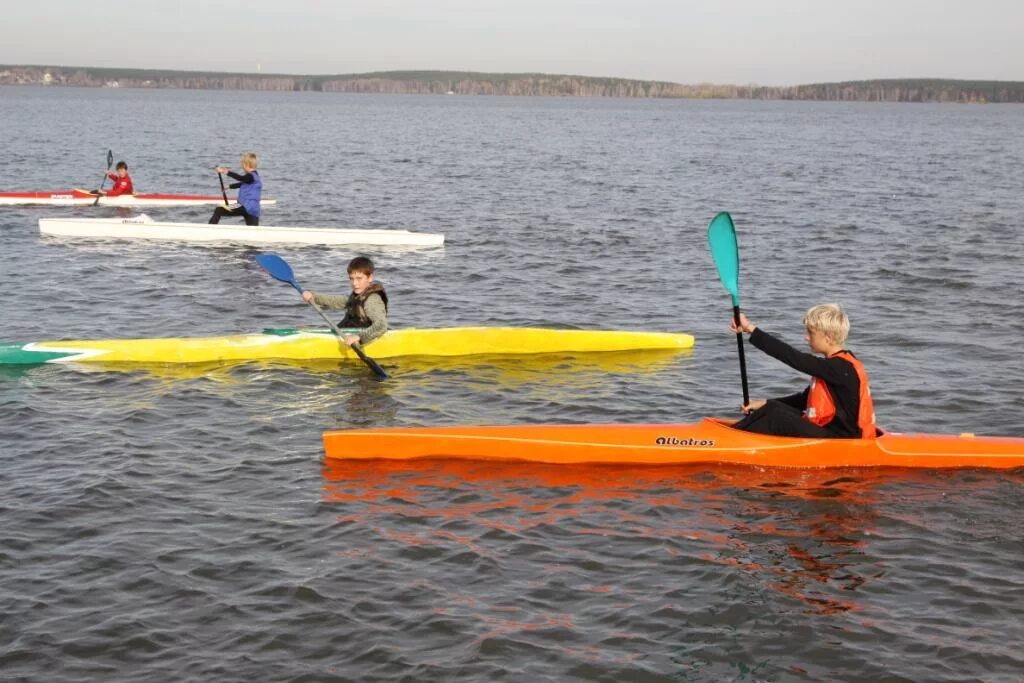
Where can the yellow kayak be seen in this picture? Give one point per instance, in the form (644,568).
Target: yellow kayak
(297,344)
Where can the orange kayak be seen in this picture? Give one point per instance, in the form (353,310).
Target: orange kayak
(708,441)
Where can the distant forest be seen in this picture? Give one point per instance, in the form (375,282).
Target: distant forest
(472,83)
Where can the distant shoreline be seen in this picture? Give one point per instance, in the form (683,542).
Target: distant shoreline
(520,84)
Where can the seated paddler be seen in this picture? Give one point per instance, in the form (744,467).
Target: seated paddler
(836,404)
(366,308)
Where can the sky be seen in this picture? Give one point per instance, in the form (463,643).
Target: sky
(767,42)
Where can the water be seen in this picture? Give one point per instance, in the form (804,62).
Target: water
(181,523)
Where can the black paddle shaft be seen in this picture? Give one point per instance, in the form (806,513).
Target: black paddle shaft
(743,360)
(110,162)
(223,192)
(380,372)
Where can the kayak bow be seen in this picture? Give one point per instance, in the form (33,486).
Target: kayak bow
(708,441)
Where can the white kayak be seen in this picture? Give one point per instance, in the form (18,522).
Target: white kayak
(77,197)
(143,227)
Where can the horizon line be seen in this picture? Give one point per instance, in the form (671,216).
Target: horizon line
(263,74)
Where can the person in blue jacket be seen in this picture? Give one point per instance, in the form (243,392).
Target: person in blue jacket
(249,186)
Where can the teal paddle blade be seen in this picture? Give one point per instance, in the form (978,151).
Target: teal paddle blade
(726,253)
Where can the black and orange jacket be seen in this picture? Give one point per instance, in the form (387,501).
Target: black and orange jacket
(853,415)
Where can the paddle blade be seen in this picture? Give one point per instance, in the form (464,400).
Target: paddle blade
(278,268)
(726,253)
(380,372)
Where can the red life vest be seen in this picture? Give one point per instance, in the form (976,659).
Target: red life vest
(821,408)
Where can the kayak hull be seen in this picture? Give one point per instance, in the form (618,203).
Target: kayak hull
(288,344)
(708,441)
(140,228)
(76,197)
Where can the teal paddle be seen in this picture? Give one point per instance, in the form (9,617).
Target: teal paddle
(110,162)
(280,270)
(726,254)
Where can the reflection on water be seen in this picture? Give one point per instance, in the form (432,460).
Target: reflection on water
(801,533)
(370,403)
(306,398)
(514,371)
(510,369)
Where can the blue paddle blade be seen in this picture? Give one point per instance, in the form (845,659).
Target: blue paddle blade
(278,268)
(726,253)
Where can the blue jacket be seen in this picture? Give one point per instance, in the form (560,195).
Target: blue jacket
(250,188)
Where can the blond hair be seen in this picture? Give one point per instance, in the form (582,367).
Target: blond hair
(249,160)
(829,319)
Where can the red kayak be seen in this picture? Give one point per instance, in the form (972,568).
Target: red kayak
(78,197)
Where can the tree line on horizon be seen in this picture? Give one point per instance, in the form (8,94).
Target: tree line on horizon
(518,84)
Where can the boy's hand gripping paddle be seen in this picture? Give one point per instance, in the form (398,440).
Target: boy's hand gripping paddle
(726,254)
(280,270)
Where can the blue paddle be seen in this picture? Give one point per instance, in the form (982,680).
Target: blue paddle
(110,162)
(280,270)
(726,254)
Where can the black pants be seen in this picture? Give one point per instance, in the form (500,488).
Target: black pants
(221,211)
(780,419)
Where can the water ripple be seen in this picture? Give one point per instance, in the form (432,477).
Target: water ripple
(167,523)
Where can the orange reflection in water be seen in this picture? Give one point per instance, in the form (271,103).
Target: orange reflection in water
(799,532)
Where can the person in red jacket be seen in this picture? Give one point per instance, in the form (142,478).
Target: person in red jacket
(122,182)
(837,404)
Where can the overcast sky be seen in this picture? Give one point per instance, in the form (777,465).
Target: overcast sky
(769,42)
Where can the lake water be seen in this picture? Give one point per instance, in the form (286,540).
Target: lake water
(182,523)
